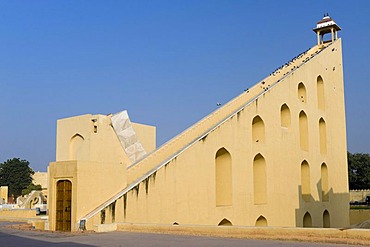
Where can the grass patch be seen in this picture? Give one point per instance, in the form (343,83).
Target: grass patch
(359,207)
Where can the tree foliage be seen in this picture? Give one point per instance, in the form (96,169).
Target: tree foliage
(358,170)
(16,174)
(30,188)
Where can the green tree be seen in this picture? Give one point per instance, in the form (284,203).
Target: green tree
(358,170)
(16,174)
(30,188)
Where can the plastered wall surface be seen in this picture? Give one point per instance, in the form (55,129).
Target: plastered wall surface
(273,156)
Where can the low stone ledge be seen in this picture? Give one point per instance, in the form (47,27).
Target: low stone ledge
(323,235)
(105,227)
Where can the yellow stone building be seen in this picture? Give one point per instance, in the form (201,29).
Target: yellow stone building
(3,194)
(275,155)
(41,178)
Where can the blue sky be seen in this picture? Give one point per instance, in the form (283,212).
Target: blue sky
(166,62)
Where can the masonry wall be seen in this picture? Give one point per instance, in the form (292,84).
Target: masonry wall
(90,156)
(287,154)
(147,136)
(357,216)
(359,195)
(88,137)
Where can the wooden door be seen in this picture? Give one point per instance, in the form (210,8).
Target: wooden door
(63,207)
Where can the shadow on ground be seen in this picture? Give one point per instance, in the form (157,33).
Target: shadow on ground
(8,237)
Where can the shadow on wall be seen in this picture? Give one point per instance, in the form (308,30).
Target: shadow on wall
(324,210)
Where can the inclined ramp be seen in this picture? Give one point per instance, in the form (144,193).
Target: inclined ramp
(152,162)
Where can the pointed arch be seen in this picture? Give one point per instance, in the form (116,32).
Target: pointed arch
(258,130)
(307,220)
(74,146)
(259,180)
(303,130)
(225,222)
(261,221)
(320,93)
(302,95)
(223,178)
(322,136)
(285,116)
(326,219)
(305,181)
(324,182)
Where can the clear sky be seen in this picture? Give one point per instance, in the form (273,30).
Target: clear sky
(167,62)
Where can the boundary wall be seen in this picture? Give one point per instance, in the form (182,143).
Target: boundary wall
(358,195)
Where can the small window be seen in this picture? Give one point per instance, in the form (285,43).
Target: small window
(95,125)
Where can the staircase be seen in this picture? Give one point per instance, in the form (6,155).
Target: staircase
(153,161)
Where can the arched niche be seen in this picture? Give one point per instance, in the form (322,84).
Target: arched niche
(303,130)
(261,221)
(285,118)
(259,180)
(302,95)
(307,220)
(326,219)
(258,130)
(324,182)
(305,181)
(225,222)
(320,93)
(322,136)
(223,178)
(75,145)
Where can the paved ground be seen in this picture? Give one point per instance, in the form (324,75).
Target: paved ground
(14,237)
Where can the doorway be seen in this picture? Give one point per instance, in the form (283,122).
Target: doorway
(63,207)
